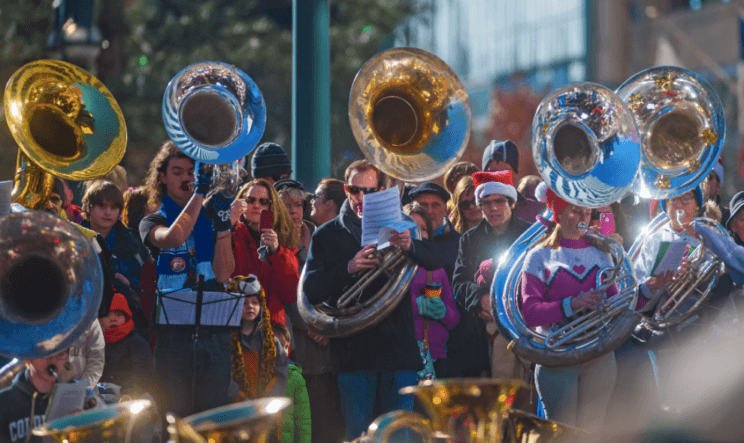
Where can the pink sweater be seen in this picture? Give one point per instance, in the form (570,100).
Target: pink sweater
(551,276)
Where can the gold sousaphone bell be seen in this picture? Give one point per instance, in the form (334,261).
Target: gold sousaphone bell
(66,123)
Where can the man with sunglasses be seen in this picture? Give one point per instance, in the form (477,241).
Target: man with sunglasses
(385,357)
(496,195)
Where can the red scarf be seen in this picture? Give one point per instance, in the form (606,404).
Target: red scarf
(118,333)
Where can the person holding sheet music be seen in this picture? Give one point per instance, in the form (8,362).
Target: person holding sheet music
(190,238)
(378,361)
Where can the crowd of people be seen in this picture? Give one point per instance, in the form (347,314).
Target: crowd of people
(175,232)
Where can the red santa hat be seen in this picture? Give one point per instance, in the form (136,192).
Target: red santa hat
(554,202)
(497,182)
(718,169)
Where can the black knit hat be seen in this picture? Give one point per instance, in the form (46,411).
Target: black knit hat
(505,151)
(270,160)
(735,206)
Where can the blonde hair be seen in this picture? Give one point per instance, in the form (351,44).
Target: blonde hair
(283,226)
(458,220)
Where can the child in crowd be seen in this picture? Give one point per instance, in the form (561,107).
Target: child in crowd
(434,311)
(129,361)
(259,363)
(296,418)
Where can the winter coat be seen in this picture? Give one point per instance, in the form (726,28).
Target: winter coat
(87,355)
(15,410)
(278,276)
(131,365)
(388,346)
(296,418)
(444,248)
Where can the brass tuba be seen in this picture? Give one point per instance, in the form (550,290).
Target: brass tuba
(470,411)
(66,123)
(51,284)
(215,114)
(411,117)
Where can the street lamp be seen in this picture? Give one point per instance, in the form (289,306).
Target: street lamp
(75,38)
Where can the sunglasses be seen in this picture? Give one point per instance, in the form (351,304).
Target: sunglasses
(354,190)
(319,196)
(466,204)
(261,201)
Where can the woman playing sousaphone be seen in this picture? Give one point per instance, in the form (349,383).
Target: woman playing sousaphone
(559,278)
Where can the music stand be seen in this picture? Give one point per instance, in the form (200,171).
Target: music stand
(188,309)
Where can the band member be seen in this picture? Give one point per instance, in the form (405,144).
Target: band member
(189,241)
(735,222)
(23,405)
(496,195)
(559,276)
(376,362)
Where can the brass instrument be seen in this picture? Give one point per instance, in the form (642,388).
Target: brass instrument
(214,113)
(47,257)
(112,424)
(470,411)
(411,117)
(250,421)
(66,123)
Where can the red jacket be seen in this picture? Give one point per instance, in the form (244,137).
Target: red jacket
(279,277)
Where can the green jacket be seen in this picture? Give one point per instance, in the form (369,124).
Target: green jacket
(296,418)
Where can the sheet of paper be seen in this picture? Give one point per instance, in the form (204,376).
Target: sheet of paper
(390,230)
(669,257)
(66,398)
(218,309)
(380,209)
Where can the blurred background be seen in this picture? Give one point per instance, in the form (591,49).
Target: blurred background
(508,53)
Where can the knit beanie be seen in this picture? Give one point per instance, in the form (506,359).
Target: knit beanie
(505,151)
(498,182)
(269,160)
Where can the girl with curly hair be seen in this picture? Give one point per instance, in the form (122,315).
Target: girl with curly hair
(269,253)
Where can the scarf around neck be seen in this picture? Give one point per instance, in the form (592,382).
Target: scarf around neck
(118,333)
(178,267)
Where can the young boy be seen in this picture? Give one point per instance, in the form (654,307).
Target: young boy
(296,426)
(259,362)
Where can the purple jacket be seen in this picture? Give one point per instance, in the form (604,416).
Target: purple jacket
(438,330)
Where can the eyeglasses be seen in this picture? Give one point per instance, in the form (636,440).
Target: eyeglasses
(261,201)
(684,200)
(495,202)
(466,204)
(354,190)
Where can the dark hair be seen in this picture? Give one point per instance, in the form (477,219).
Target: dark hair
(281,331)
(333,189)
(155,188)
(135,203)
(100,191)
(362,166)
(59,188)
(415,208)
(458,170)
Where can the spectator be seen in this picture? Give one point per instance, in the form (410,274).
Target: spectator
(135,208)
(278,269)
(271,163)
(292,194)
(327,201)
(527,185)
(376,362)
(296,425)
(496,195)
(433,198)
(504,156)
(735,222)
(465,213)
(88,356)
(72,212)
(23,405)
(434,316)
(259,363)
(456,172)
(715,180)
(189,238)
(129,361)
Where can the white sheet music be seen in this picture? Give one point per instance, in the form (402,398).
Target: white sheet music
(380,209)
(218,309)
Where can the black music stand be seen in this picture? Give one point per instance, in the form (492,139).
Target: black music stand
(161,318)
